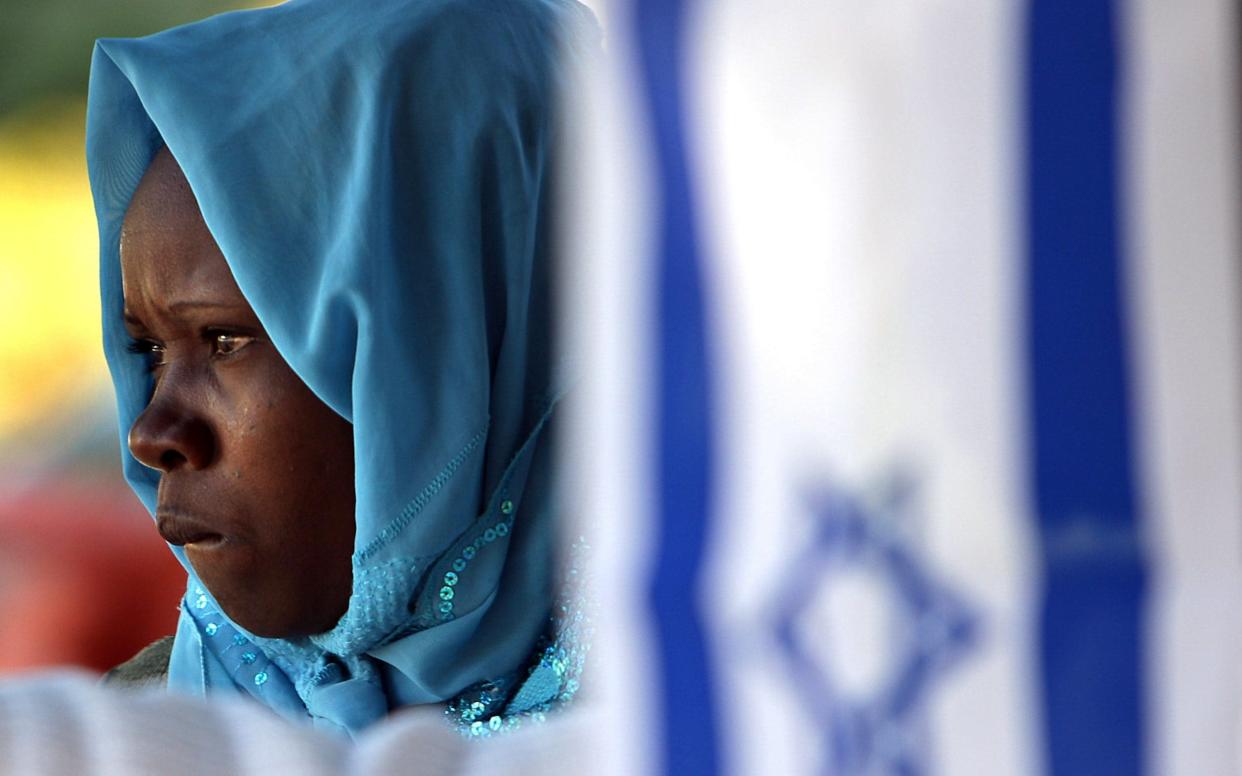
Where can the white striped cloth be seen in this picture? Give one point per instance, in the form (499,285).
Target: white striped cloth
(65,724)
(913,442)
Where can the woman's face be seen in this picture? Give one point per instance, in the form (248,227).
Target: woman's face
(257,473)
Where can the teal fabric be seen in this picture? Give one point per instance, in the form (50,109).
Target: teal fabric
(377,175)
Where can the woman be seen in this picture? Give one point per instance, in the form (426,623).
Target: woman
(324,253)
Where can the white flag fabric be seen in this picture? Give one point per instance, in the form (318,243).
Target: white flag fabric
(64,724)
(912,438)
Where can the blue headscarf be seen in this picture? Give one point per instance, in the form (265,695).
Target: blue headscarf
(376,174)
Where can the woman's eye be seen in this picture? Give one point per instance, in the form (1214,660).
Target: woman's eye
(152,350)
(226,344)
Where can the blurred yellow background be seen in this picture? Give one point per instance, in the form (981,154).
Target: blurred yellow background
(49,289)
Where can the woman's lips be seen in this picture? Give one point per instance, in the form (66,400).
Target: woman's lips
(183,529)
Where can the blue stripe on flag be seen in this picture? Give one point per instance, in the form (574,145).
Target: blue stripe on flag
(1083,483)
(684,453)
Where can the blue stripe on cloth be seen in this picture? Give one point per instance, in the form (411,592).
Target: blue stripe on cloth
(1091,623)
(684,443)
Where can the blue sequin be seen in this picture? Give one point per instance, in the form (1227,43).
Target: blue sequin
(446,593)
(211,628)
(201,603)
(239,639)
(527,695)
(450,578)
(260,678)
(249,657)
(489,535)
(468,553)
(506,506)
(502,529)
(459,565)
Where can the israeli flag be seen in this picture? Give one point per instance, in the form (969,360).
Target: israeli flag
(911,434)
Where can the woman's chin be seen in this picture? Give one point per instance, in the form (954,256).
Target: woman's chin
(274,614)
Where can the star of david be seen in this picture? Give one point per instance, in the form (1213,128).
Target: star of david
(883,730)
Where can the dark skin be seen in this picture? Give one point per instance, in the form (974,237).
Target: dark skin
(256,472)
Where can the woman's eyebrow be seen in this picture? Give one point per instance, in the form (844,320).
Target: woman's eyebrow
(131,319)
(189,304)
(204,304)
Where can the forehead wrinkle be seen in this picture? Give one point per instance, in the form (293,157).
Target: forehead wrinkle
(164,242)
(163,201)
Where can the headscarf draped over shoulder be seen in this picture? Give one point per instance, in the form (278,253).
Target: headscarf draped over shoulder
(377,175)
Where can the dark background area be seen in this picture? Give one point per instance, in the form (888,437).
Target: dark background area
(45,45)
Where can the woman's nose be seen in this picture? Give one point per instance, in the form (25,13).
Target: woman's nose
(169,435)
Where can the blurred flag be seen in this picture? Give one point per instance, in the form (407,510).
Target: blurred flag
(911,435)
